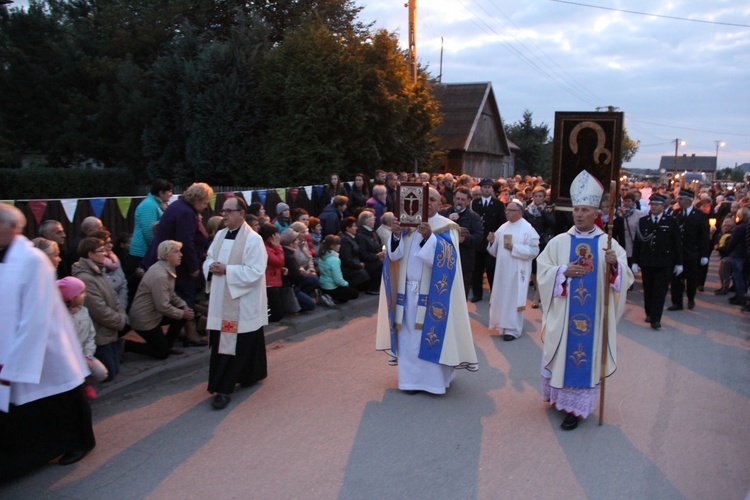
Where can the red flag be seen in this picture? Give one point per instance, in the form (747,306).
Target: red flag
(38,208)
(293,193)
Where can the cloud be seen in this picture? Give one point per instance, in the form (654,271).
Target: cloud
(673,78)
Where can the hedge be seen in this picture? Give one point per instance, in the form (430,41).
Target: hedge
(52,183)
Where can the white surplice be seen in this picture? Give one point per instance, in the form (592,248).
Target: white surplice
(40,353)
(512,273)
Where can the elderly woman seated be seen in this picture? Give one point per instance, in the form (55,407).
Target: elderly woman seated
(300,279)
(156,304)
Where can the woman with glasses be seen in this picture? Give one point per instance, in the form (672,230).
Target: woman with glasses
(113,268)
(101,300)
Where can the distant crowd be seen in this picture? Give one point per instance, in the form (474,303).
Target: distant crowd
(327,258)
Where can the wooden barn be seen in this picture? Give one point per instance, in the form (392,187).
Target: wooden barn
(472,134)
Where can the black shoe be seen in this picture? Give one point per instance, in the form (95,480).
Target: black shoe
(411,393)
(737,301)
(570,422)
(509,338)
(72,457)
(176,352)
(691,304)
(220,401)
(372,292)
(656,325)
(674,308)
(476,299)
(720,291)
(648,319)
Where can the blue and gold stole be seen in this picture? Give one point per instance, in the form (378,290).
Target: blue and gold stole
(579,355)
(438,300)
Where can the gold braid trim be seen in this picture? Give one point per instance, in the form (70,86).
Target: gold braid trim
(447,227)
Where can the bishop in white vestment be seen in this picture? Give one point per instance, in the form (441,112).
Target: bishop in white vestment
(571,272)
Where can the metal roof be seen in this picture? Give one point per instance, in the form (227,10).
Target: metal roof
(690,163)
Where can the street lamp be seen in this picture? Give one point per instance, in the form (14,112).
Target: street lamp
(677,143)
(718,145)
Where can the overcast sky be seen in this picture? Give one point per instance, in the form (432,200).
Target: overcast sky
(673,78)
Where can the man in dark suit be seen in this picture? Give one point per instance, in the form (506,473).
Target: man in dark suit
(657,250)
(695,242)
(470,234)
(492,212)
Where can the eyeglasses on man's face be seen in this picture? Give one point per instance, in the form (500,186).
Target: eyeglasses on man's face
(229,210)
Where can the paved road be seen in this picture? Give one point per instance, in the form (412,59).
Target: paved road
(329,423)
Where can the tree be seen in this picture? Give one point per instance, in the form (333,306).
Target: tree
(285,16)
(36,72)
(341,105)
(535,155)
(735,174)
(629,146)
(208,122)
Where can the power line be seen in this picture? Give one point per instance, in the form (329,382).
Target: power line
(565,86)
(652,15)
(564,75)
(687,128)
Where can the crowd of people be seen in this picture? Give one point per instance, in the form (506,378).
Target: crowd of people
(179,280)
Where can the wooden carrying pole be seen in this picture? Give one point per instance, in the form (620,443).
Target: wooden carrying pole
(605,322)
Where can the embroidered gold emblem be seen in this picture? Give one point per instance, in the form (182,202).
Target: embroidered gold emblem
(437,312)
(579,357)
(431,338)
(445,257)
(441,286)
(580,325)
(581,294)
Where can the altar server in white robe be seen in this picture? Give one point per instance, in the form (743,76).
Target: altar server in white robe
(571,272)
(514,245)
(237,306)
(423,321)
(43,409)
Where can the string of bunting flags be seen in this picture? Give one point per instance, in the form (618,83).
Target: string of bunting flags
(70,206)
(118,213)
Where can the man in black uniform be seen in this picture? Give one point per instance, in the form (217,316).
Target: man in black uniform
(657,250)
(470,234)
(695,242)
(492,212)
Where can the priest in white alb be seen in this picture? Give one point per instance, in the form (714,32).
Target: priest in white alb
(514,245)
(44,412)
(571,272)
(237,305)
(423,321)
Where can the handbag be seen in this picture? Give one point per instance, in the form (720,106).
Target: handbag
(289,300)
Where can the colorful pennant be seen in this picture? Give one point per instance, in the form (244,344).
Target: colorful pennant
(97,204)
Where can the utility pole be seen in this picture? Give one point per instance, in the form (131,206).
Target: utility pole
(412,5)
